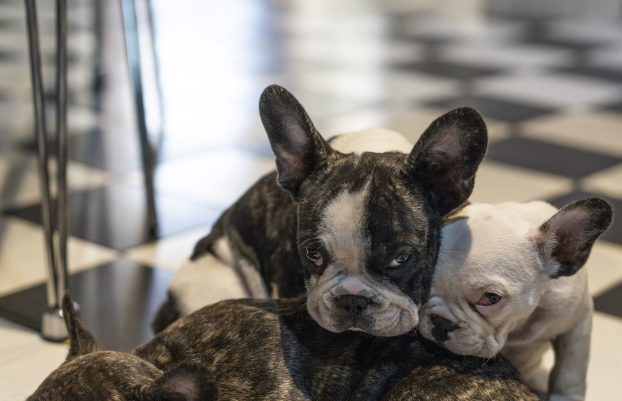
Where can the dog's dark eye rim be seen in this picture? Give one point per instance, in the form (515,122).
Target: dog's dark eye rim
(315,253)
(402,256)
(491,297)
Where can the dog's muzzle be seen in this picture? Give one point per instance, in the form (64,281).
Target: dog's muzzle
(355,305)
(441,327)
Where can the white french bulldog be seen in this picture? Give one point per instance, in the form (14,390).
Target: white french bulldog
(508,280)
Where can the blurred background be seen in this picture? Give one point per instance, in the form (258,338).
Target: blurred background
(546,74)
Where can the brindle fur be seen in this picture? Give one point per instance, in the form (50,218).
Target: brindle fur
(272,350)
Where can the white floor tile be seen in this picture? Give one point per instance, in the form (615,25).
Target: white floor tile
(604,267)
(605,363)
(552,89)
(598,131)
(464,26)
(349,52)
(216,178)
(397,89)
(19,179)
(506,56)
(25,360)
(496,182)
(608,182)
(603,376)
(22,255)
(169,253)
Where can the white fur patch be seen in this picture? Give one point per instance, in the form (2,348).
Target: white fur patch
(342,232)
(376,140)
(342,229)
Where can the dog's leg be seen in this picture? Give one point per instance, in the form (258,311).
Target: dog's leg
(572,353)
(527,359)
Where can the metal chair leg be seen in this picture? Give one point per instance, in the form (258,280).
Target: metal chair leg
(132,47)
(159,137)
(62,144)
(53,327)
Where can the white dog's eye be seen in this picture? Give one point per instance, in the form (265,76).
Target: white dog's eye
(400,259)
(489,298)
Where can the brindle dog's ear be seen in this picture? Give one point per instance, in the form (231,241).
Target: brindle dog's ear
(186,382)
(447,156)
(81,340)
(297,145)
(566,239)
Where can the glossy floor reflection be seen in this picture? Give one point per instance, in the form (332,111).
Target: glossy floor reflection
(550,89)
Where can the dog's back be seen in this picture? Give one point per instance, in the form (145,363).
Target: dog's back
(272,349)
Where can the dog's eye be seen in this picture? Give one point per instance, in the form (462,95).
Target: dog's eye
(400,259)
(315,254)
(489,298)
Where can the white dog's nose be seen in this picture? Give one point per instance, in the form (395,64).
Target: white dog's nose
(442,327)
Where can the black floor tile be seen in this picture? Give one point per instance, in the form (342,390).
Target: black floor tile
(615,107)
(116,152)
(113,154)
(565,43)
(448,69)
(115,216)
(610,301)
(112,151)
(549,157)
(7,56)
(614,233)
(495,108)
(606,74)
(117,302)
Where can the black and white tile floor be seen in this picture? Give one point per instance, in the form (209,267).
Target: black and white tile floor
(551,90)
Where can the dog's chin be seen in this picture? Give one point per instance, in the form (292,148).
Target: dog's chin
(481,348)
(388,322)
(463,341)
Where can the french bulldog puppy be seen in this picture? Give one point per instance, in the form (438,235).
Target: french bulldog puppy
(90,374)
(358,232)
(273,350)
(509,279)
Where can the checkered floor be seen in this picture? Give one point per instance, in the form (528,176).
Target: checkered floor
(550,89)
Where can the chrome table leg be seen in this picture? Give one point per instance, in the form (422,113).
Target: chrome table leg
(148,151)
(52,327)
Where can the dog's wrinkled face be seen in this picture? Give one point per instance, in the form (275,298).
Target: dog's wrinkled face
(488,277)
(369,224)
(369,244)
(494,264)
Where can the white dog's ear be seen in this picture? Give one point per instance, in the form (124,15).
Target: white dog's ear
(566,239)
(447,156)
(298,146)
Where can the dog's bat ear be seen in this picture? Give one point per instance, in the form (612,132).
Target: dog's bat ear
(566,239)
(187,382)
(447,156)
(80,339)
(298,146)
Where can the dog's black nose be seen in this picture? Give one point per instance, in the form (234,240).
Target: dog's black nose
(355,304)
(442,327)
